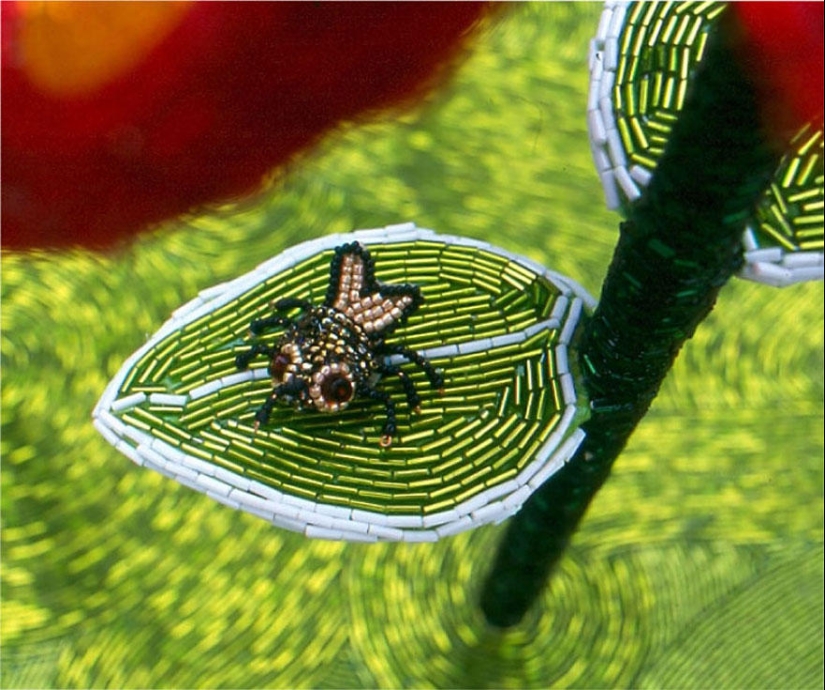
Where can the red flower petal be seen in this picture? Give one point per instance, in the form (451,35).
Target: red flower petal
(197,107)
(783,52)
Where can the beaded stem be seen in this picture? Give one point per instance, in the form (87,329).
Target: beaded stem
(680,244)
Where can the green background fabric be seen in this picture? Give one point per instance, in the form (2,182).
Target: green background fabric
(700,563)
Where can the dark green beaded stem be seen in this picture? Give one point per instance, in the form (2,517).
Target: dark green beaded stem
(680,244)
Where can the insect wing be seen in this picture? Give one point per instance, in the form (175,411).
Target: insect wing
(351,276)
(353,290)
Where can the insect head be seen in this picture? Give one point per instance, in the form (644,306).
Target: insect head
(334,353)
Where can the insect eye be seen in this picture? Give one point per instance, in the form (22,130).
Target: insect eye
(277,367)
(337,389)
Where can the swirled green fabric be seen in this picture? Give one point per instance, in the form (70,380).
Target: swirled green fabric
(700,563)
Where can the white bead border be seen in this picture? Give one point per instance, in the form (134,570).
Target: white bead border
(330,521)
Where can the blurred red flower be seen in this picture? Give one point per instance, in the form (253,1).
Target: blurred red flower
(117,115)
(782,49)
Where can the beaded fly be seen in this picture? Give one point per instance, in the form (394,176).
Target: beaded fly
(332,354)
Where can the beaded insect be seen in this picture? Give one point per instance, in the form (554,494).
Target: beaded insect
(332,354)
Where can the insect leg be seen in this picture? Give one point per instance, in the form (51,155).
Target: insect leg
(242,360)
(292,303)
(413,399)
(262,415)
(265,410)
(390,425)
(258,326)
(435,377)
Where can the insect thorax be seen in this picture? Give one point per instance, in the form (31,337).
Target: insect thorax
(329,353)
